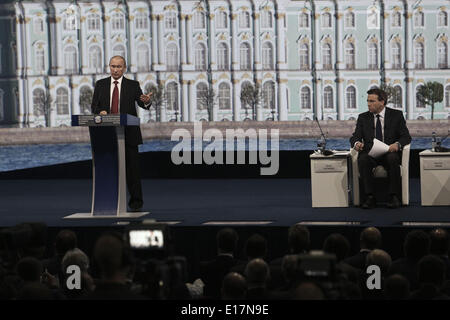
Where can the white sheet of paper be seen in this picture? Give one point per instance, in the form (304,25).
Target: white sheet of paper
(378,149)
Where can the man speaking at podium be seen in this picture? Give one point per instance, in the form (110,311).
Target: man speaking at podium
(388,126)
(117,94)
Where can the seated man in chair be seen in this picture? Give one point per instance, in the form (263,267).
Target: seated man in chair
(389,126)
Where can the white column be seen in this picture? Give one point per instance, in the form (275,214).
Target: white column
(256,42)
(154,40)
(339,35)
(27,68)
(236,100)
(212,36)
(282,100)
(107,43)
(185,101)
(280,41)
(133,44)
(318,95)
(84,47)
(183,40)
(408,39)
(189,38)
(21,51)
(192,106)
(317,58)
(387,31)
(161,57)
(409,94)
(234,46)
(341,98)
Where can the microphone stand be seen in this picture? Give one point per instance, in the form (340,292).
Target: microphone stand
(439,148)
(323,142)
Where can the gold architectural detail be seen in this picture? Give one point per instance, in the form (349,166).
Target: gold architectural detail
(350,9)
(199,9)
(328,40)
(420,9)
(200,38)
(69,40)
(304,10)
(420,81)
(233,16)
(149,77)
(305,40)
(386,15)
(119,39)
(189,17)
(328,82)
(107,18)
(27,20)
(184,82)
(169,7)
(246,76)
(245,37)
(397,39)
(256,16)
(327,9)
(117,10)
(339,80)
(94,39)
(85,79)
(223,76)
(283,81)
(171,77)
(443,38)
(142,38)
(39,14)
(371,81)
(339,16)
(171,38)
(409,15)
(222,37)
(38,82)
(83,19)
(420,39)
(281,15)
(397,81)
(351,40)
(396,9)
(267,37)
(448,81)
(222,9)
(267,8)
(93,10)
(141,10)
(373,40)
(244,8)
(155,16)
(351,82)
(201,76)
(51,87)
(305,82)
(408,80)
(258,81)
(61,81)
(235,81)
(211,16)
(131,18)
(74,85)
(214,81)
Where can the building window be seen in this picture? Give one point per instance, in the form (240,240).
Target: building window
(397,20)
(304,20)
(350,56)
(224,96)
(266,19)
(40,58)
(70,23)
(326,56)
(199,20)
(419,104)
(447,97)
(172,96)
(119,50)
(244,20)
(62,101)
(350,95)
(267,56)
(418,55)
(373,56)
(142,57)
(349,20)
(245,56)
(269,95)
(172,57)
(86,94)
(38,102)
(396,50)
(397,97)
(373,19)
(326,20)
(170,21)
(93,22)
(202,93)
(38,25)
(222,20)
(200,57)
(141,22)
(419,19)
(305,98)
(442,19)
(328,98)
(442,55)
(222,56)
(304,56)
(70,60)
(118,21)
(95,58)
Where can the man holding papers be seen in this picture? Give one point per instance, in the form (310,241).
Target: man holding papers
(379,136)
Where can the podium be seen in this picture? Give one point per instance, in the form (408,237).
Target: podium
(109,190)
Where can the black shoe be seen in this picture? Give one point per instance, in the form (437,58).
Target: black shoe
(135,206)
(370,203)
(136,209)
(394,202)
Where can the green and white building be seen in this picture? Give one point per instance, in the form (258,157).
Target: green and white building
(310,58)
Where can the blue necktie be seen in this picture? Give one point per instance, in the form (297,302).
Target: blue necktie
(378,131)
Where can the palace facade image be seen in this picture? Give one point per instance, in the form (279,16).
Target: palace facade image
(309,58)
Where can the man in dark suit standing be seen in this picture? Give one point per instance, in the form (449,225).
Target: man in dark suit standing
(117,94)
(389,126)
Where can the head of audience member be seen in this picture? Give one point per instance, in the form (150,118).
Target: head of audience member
(289,267)
(226,239)
(431,270)
(257,273)
(256,247)
(380,258)
(308,291)
(35,291)
(109,256)
(234,287)
(75,257)
(439,242)
(416,245)
(370,238)
(29,269)
(65,240)
(396,287)
(337,244)
(298,239)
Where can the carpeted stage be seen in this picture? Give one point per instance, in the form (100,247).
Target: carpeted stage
(195,208)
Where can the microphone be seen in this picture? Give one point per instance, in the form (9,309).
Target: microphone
(439,147)
(323,141)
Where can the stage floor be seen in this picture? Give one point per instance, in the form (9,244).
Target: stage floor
(206,202)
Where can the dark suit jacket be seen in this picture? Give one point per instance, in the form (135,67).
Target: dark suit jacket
(130,93)
(395,129)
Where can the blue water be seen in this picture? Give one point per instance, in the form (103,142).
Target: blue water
(29,156)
